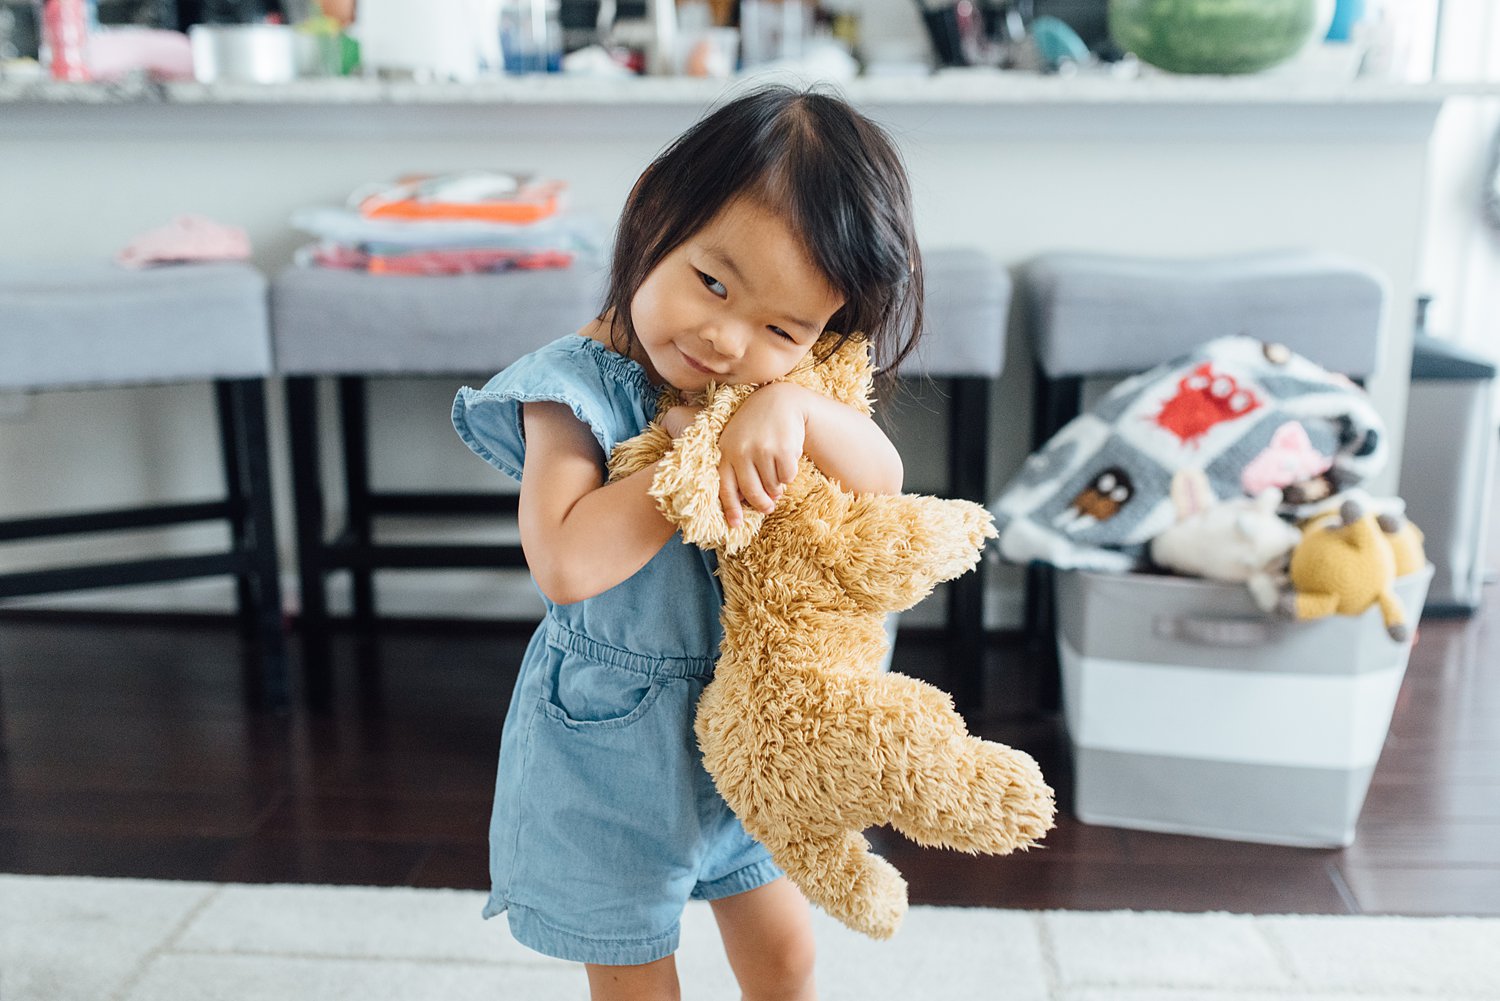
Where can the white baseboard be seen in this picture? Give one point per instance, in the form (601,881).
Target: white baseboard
(477,594)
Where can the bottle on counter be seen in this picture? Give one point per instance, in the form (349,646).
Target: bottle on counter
(65,37)
(531,36)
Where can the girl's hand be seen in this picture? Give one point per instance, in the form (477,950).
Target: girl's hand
(760,449)
(678,419)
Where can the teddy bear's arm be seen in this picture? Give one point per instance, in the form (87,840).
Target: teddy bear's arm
(896,547)
(686,485)
(639,452)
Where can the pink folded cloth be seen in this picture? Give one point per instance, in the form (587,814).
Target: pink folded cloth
(186,238)
(117,51)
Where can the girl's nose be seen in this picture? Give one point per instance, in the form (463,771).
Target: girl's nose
(727,339)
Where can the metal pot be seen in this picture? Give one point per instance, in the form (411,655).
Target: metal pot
(253,53)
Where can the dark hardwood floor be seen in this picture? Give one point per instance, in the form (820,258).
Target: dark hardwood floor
(127,749)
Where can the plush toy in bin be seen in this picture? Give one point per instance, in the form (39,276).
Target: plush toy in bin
(1232,540)
(1348,562)
(806,738)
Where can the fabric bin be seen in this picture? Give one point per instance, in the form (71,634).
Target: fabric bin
(1191,712)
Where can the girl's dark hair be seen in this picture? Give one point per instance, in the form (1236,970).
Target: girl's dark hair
(835,176)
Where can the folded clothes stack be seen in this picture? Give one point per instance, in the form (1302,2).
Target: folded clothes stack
(469,222)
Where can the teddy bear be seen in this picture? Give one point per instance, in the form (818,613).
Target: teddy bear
(1347,562)
(807,740)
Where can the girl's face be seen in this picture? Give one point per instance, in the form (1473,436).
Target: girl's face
(737,302)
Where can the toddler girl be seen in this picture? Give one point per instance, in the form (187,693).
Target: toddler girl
(779,216)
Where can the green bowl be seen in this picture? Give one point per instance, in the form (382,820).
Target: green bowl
(1212,36)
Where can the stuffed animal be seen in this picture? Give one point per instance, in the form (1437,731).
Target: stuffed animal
(805,737)
(1232,540)
(1342,566)
(1405,540)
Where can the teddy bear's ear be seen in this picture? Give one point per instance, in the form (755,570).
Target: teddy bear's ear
(686,485)
(842,371)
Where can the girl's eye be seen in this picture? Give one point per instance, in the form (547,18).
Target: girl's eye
(782,333)
(713,284)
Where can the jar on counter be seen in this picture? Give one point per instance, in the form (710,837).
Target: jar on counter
(531,37)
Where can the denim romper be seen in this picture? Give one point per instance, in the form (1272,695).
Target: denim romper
(605,822)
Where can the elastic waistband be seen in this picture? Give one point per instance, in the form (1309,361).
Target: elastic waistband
(563,638)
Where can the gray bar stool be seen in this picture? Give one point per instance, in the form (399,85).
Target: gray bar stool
(93,325)
(1108,316)
(351,327)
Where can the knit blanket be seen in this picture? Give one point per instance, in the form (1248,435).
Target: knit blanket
(1251,415)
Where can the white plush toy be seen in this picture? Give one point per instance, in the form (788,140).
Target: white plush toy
(1233,540)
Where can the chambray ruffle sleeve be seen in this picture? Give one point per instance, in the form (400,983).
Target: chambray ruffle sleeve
(605,390)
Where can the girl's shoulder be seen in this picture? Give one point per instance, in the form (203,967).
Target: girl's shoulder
(607,391)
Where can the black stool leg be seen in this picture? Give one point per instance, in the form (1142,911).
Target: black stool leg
(1054,403)
(248,403)
(968,478)
(353,417)
(230,436)
(307,485)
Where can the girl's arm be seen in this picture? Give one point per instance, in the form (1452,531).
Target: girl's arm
(777,424)
(581,536)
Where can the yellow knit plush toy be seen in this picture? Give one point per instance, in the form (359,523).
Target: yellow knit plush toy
(805,737)
(1346,563)
(1405,540)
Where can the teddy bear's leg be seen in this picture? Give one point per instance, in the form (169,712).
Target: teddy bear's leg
(975,796)
(1316,606)
(842,876)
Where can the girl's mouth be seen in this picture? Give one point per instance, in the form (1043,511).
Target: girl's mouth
(698,366)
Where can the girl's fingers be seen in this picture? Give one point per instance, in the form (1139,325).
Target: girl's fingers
(786,471)
(752,484)
(729,496)
(770,482)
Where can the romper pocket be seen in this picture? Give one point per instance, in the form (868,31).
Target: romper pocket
(584,694)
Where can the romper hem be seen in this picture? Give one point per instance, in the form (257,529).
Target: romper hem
(532,930)
(750,877)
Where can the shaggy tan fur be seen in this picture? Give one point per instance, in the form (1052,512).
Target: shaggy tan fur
(806,739)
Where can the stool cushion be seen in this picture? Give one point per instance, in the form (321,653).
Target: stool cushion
(331,322)
(967,307)
(97,324)
(1097,314)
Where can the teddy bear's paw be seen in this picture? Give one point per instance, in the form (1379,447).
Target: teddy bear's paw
(877,902)
(993,803)
(873,902)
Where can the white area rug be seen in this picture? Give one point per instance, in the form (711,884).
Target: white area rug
(64,939)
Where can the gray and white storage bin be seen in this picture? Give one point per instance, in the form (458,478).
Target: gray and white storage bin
(1191,712)
(1448,471)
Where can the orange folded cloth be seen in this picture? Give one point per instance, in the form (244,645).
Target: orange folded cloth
(470,195)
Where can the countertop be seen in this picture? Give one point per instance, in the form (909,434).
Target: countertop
(949,88)
(963,106)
